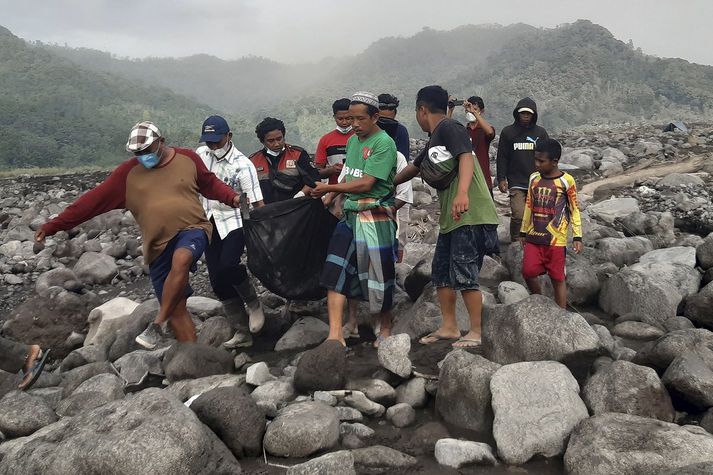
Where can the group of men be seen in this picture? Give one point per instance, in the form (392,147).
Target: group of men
(188,203)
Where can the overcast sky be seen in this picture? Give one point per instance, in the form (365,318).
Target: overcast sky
(308,30)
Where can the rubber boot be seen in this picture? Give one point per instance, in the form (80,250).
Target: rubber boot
(256,317)
(236,315)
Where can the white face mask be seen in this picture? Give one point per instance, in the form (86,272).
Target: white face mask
(223,151)
(470,117)
(344,130)
(274,154)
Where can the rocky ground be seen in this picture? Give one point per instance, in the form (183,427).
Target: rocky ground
(622,382)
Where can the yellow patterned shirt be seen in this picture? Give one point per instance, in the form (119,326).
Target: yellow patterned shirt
(551,207)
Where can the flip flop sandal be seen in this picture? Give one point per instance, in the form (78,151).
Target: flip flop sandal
(467,343)
(36,370)
(435,337)
(347,333)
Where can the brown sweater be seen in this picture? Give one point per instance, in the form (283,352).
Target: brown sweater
(164,200)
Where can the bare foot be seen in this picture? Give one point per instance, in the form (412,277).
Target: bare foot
(384,333)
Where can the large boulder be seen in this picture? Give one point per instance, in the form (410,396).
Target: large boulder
(623,251)
(106,319)
(234,417)
(536,329)
(74,377)
(704,253)
(96,268)
(302,429)
(621,443)
(124,340)
(54,278)
(628,388)
(339,462)
(463,397)
(699,307)
(305,332)
(536,406)
(393,354)
(322,368)
(215,331)
(417,279)
(186,389)
(690,378)
(133,366)
(122,437)
(193,360)
(664,350)
(22,414)
(609,210)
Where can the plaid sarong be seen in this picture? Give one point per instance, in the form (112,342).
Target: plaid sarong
(361,256)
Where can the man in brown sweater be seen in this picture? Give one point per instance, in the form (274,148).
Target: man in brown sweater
(161,187)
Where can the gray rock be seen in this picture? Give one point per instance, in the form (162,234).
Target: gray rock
(628,388)
(55,277)
(356,429)
(401,415)
(536,406)
(413,393)
(678,179)
(463,397)
(536,329)
(199,305)
(699,307)
(275,392)
(123,435)
(637,331)
(73,378)
(703,468)
(193,360)
(234,417)
(133,366)
(363,404)
(664,350)
(258,374)
(305,332)
(83,356)
(609,210)
(677,323)
(582,281)
(325,397)
(106,320)
(578,159)
(689,377)
(393,354)
(380,459)
(704,253)
(81,403)
(457,453)
(107,384)
(123,340)
(681,255)
(184,390)
(621,443)
(376,390)
(322,368)
(96,268)
(492,273)
(340,462)
(348,414)
(215,331)
(302,429)
(417,279)
(511,292)
(707,421)
(623,251)
(51,395)
(22,414)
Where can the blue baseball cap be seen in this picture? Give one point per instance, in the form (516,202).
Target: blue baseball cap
(214,129)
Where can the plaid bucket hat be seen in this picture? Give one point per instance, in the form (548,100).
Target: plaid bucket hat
(141,136)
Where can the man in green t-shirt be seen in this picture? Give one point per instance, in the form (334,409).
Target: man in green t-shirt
(468,221)
(362,252)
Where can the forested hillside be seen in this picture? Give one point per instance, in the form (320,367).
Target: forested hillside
(72,106)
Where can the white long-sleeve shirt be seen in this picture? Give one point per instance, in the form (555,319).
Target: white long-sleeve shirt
(238,172)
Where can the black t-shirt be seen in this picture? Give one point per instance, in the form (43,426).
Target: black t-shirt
(289,185)
(447,142)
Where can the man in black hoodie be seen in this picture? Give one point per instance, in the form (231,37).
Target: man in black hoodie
(516,159)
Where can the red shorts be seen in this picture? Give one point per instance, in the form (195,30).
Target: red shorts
(540,259)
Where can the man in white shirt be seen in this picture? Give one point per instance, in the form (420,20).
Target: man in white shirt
(228,276)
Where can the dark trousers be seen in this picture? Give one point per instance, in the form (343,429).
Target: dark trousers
(12,355)
(223,259)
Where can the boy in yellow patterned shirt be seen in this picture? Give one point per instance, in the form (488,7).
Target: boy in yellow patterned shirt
(550,209)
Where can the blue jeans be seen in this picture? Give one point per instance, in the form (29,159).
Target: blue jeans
(459,256)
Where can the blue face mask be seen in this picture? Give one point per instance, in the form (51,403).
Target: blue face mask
(149,160)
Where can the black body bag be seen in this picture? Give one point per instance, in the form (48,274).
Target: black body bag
(287,245)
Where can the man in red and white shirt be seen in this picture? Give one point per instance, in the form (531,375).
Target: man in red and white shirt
(332,147)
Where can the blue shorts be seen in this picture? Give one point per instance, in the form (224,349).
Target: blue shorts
(195,240)
(459,256)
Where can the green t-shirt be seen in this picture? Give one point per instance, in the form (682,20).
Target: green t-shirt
(376,157)
(448,141)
